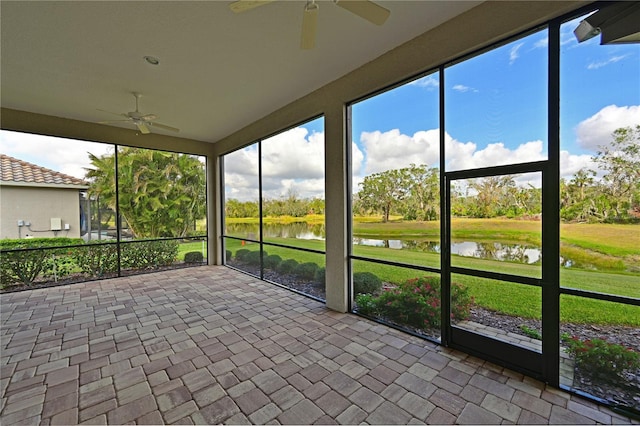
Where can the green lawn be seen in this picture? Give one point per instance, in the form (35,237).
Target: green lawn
(510,298)
(193,246)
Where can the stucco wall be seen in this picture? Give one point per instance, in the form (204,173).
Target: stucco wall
(38,206)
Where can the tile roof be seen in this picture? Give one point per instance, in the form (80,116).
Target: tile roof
(14,170)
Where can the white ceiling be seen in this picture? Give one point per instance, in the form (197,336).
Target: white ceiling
(218,71)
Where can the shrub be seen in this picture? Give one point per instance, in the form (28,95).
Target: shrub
(416,303)
(306,270)
(23,260)
(148,254)
(193,257)
(241,254)
(287,266)
(228,255)
(601,358)
(253,257)
(97,259)
(321,276)
(59,264)
(272,261)
(366,282)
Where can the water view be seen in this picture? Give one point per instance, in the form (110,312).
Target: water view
(491,250)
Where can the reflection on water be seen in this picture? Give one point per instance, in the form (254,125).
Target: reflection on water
(297,230)
(482,250)
(492,250)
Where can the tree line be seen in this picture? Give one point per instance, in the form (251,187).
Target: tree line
(290,205)
(162,194)
(413,192)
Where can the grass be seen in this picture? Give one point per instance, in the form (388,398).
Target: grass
(583,242)
(193,246)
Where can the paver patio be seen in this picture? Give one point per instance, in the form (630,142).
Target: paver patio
(211,345)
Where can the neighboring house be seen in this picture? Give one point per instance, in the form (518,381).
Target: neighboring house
(38,202)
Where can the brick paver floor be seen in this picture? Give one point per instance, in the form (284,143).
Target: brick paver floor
(210,345)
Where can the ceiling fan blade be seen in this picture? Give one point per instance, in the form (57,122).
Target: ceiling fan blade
(164,126)
(111,112)
(366,9)
(240,6)
(142,127)
(309,26)
(113,121)
(148,117)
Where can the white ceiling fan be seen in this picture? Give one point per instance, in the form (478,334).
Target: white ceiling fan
(141,121)
(366,9)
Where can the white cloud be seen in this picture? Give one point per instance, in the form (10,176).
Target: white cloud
(543,42)
(465,156)
(357,159)
(293,155)
(68,156)
(596,130)
(612,60)
(463,89)
(513,53)
(292,161)
(393,150)
(430,82)
(570,164)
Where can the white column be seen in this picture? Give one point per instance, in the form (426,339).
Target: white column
(336,208)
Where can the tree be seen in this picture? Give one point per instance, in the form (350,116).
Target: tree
(383,191)
(620,162)
(423,201)
(236,209)
(492,197)
(161,194)
(575,202)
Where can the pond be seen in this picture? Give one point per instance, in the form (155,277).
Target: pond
(491,250)
(482,250)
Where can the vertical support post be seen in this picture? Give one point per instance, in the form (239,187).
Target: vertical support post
(445,226)
(336,208)
(118,216)
(551,221)
(215,216)
(260,210)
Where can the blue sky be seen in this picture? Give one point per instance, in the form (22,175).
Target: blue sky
(496,107)
(496,113)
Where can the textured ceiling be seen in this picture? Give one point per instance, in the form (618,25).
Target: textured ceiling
(218,71)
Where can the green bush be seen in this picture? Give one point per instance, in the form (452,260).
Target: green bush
(21,264)
(287,266)
(366,283)
(227,255)
(597,357)
(148,254)
(241,254)
(272,261)
(320,276)
(193,257)
(416,303)
(306,270)
(97,259)
(253,257)
(61,264)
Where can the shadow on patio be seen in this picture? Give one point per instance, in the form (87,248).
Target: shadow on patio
(211,345)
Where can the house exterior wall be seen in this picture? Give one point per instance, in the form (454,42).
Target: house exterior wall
(38,205)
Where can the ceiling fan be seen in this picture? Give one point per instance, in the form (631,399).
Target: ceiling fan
(366,9)
(142,121)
